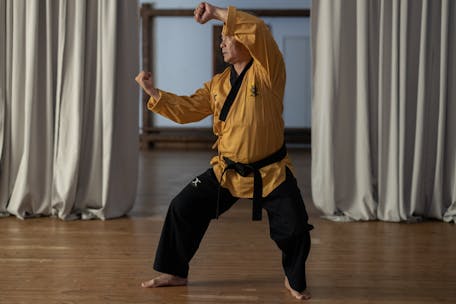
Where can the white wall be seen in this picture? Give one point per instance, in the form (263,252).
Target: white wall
(183,54)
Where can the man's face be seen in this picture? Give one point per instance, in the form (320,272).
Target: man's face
(233,51)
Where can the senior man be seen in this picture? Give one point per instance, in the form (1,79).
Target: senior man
(246,101)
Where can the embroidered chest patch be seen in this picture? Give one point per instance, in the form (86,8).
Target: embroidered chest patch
(253,90)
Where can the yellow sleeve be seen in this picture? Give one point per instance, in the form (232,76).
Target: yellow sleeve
(183,109)
(255,35)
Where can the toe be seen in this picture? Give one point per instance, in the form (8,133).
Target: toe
(146,284)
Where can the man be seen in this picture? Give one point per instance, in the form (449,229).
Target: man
(246,102)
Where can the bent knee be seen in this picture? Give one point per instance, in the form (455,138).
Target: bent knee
(291,232)
(181,207)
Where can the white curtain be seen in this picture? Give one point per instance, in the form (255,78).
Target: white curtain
(68,108)
(384,109)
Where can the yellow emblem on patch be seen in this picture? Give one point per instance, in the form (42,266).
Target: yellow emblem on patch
(253,90)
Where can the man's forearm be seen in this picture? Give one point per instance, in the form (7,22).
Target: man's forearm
(155,93)
(221,14)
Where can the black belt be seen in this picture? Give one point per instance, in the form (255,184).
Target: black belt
(247,169)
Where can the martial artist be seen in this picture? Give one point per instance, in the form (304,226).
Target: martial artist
(246,101)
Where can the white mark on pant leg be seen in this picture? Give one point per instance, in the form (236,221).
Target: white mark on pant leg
(195,182)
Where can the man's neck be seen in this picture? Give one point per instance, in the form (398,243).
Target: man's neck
(239,66)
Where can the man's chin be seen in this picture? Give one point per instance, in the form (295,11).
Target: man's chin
(226,60)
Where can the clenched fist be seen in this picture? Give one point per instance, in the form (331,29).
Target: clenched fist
(205,12)
(144,79)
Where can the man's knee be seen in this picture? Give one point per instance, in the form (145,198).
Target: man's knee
(190,204)
(290,232)
(181,206)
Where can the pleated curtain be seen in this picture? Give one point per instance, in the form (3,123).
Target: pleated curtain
(384,109)
(68,108)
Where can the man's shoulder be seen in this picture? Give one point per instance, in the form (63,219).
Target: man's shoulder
(222,76)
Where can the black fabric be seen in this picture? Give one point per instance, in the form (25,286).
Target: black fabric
(186,222)
(233,76)
(235,86)
(289,228)
(247,169)
(193,208)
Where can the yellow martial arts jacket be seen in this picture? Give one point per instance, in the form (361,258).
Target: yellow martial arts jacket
(254,127)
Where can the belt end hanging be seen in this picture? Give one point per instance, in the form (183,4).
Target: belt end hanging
(256,210)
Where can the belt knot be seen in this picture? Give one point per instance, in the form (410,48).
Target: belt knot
(243,169)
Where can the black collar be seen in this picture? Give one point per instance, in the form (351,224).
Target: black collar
(234,76)
(235,85)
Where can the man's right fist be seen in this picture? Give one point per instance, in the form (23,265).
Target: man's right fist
(204,12)
(144,79)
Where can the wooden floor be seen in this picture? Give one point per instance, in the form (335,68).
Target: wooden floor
(50,261)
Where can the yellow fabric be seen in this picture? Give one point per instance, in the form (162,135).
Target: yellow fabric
(254,128)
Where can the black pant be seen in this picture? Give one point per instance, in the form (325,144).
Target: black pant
(195,206)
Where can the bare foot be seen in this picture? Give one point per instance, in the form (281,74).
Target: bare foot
(303,295)
(165,280)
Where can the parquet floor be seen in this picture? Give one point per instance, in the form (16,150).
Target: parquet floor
(47,260)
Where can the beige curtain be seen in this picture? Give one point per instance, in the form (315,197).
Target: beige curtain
(384,108)
(68,104)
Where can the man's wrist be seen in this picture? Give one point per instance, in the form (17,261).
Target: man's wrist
(221,14)
(154,93)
